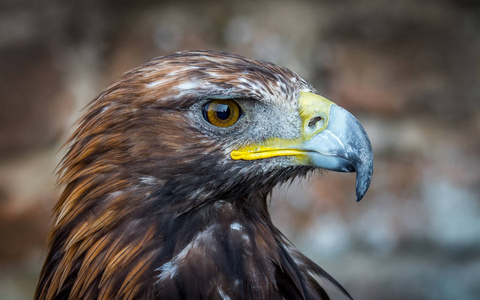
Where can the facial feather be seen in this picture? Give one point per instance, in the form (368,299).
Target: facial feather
(153,206)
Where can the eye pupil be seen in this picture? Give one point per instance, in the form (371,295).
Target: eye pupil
(223,111)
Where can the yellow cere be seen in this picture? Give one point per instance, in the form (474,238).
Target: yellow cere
(313,106)
(314,111)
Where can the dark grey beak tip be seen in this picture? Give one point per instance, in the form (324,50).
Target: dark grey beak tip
(360,196)
(364,177)
(361,192)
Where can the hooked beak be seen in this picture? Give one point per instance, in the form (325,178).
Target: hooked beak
(330,138)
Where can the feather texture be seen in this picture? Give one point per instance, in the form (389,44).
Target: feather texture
(154,208)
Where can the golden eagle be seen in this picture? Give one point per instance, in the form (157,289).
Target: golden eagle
(167,175)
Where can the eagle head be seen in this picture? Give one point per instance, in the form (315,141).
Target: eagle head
(166,179)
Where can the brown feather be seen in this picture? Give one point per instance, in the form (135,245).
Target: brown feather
(153,207)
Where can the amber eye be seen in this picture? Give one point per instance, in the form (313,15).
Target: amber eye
(221,113)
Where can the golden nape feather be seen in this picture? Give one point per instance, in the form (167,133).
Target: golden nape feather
(166,179)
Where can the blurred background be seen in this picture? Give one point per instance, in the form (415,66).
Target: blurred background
(409,70)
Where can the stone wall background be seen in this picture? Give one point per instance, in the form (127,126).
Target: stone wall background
(409,70)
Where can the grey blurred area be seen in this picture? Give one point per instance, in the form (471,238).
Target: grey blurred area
(409,70)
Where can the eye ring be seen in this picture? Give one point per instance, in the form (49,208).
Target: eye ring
(221,112)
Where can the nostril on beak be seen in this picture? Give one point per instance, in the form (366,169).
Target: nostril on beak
(316,122)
